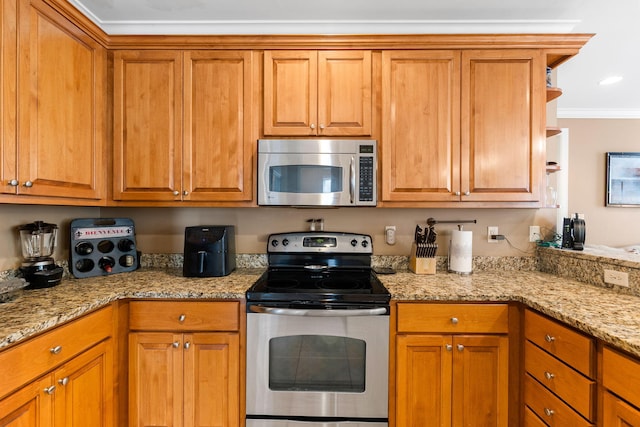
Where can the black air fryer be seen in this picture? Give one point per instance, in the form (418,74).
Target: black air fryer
(209,251)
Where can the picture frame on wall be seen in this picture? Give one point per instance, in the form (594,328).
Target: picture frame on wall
(623,179)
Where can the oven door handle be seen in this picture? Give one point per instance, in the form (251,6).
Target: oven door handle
(319,312)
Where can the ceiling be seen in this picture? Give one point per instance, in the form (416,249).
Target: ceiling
(612,51)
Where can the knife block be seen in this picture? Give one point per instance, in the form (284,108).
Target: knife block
(421,265)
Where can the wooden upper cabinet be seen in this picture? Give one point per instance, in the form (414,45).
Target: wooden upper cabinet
(53,115)
(147,125)
(502,125)
(420,146)
(324,93)
(183,126)
(218,139)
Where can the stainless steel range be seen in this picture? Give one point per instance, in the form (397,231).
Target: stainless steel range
(318,335)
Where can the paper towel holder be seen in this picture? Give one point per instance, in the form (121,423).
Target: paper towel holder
(433,221)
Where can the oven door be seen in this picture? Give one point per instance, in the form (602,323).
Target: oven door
(318,363)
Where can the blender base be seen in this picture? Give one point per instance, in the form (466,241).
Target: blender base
(42,276)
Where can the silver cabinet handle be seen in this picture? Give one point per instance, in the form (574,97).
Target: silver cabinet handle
(187,345)
(460,347)
(14,183)
(454,320)
(448,347)
(549,338)
(549,412)
(313,126)
(466,193)
(175,344)
(457,193)
(185,193)
(50,389)
(321,126)
(28,184)
(64,381)
(56,350)
(549,375)
(176,193)
(181,318)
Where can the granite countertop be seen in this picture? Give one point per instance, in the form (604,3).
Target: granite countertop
(605,314)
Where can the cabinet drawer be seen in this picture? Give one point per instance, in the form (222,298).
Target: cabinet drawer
(549,408)
(39,355)
(531,419)
(453,318)
(621,375)
(575,349)
(571,386)
(184,315)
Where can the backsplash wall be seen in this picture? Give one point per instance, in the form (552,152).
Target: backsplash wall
(161,230)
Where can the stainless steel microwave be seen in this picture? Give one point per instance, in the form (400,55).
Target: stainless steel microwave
(317,172)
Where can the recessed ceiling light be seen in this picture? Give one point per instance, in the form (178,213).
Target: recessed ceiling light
(610,80)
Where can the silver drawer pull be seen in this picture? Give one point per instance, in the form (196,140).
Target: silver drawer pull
(187,345)
(460,347)
(549,338)
(448,347)
(549,375)
(549,412)
(175,344)
(454,320)
(56,350)
(64,381)
(50,389)
(181,318)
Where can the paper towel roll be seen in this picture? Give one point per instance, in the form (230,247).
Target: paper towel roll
(460,252)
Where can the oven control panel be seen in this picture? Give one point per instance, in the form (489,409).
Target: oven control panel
(321,241)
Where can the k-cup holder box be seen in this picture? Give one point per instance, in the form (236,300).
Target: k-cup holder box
(102,246)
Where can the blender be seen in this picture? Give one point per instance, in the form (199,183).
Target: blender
(38,240)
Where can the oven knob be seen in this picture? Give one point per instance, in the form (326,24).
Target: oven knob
(354,243)
(365,243)
(285,242)
(274,243)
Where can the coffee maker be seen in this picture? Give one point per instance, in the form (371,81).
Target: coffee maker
(37,241)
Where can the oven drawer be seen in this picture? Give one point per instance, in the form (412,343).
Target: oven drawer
(572,347)
(453,318)
(184,315)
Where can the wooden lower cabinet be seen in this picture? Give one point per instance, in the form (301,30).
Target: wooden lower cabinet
(618,413)
(452,380)
(183,379)
(78,394)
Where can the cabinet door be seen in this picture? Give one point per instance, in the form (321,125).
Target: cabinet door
(617,413)
(8,93)
(147,136)
(502,130)
(84,389)
(420,146)
(290,92)
(211,380)
(480,381)
(155,379)
(28,407)
(344,93)
(218,138)
(62,113)
(423,380)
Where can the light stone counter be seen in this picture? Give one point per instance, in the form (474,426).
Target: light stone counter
(608,315)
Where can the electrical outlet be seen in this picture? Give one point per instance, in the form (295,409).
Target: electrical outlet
(534,233)
(390,234)
(616,278)
(492,231)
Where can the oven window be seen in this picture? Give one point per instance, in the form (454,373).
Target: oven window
(317,363)
(305,179)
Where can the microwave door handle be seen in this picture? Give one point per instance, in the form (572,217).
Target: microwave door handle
(352,180)
(319,313)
